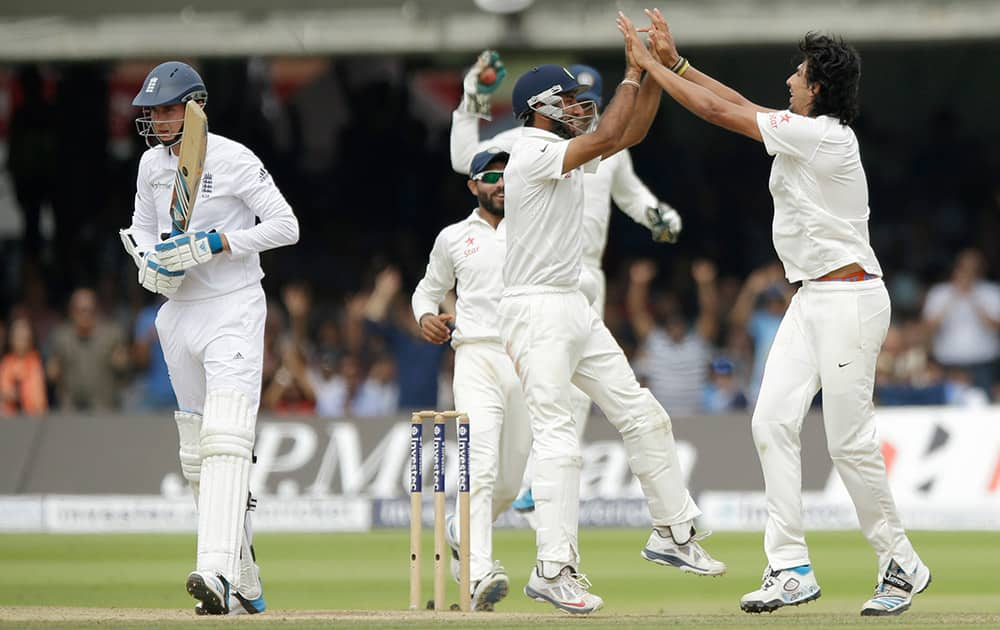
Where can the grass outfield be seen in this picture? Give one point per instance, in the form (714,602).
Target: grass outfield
(46,581)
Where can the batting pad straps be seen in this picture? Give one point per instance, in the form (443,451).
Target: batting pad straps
(189,432)
(228,427)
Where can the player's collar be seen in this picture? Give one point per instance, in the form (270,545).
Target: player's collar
(542,133)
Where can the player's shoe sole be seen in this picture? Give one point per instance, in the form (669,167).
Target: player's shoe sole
(668,560)
(773,605)
(575,610)
(212,602)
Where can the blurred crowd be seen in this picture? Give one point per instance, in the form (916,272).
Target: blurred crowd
(700,347)
(360,149)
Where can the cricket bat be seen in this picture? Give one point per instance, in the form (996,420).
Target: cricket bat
(190,164)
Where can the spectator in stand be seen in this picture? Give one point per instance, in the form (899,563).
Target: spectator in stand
(759,308)
(723,392)
(379,394)
(153,390)
(675,357)
(88,358)
(298,304)
(963,317)
(22,377)
(418,363)
(291,390)
(338,386)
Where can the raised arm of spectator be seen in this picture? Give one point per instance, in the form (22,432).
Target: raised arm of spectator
(640,275)
(703,271)
(743,308)
(298,303)
(387,285)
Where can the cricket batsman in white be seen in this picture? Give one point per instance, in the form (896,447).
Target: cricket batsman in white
(556,339)
(469,255)
(615,179)
(831,335)
(212,325)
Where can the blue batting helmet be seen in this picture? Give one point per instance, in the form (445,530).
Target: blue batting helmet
(169,83)
(590,77)
(541,81)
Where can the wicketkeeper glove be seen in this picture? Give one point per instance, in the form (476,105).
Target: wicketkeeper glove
(156,278)
(482,79)
(664,223)
(184,251)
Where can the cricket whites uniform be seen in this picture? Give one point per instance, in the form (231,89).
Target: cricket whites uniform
(471,254)
(556,338)
(829,338)
(614,179)
(212,331)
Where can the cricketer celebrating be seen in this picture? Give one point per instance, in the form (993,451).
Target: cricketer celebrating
(556,338)
(470,254)
(615,179)
(212,326)
(831,335)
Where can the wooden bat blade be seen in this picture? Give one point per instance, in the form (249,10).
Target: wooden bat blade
(190,164)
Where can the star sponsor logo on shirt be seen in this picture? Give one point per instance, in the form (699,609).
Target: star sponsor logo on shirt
(777,118)
(470,240)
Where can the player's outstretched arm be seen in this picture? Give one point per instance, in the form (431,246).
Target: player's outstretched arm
(739,116)
(666,49)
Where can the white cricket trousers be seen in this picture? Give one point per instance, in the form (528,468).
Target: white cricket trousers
(830,338)
(487,388)
(556,339)
(217,343)
(580,404)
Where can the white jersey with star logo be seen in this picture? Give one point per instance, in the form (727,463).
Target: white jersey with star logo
(467,255)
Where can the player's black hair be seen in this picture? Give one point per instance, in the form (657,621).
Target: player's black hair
(835,66)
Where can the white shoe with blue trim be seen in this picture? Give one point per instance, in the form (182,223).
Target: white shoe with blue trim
(786,587)
(896,589)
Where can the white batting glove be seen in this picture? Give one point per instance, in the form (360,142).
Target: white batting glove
(482,79)
(156,278)
(131,246)
(189,249)
(664,223)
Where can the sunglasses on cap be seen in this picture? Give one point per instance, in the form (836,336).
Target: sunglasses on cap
(488,177)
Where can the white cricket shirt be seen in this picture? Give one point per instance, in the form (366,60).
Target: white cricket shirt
(544,215)
(615,179)
(467,255)
(235,190)
(820,195)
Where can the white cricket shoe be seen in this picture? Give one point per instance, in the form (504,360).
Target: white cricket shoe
(211,590)
(491,589)
(896,589)
(567,591)
(787,587)
(689,557)
(238,605)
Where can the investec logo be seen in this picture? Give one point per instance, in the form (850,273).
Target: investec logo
(321,460)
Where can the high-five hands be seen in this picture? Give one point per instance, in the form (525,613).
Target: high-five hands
(660,38)
(636,53)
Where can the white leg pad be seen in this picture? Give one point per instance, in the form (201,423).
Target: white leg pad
(189,432)
(227,437)
(652,456)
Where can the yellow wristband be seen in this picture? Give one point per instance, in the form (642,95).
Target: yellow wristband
(684,68)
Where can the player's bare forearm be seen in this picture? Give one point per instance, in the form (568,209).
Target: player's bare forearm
(721,90)
(647,102)
(707,105)
(604,139)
